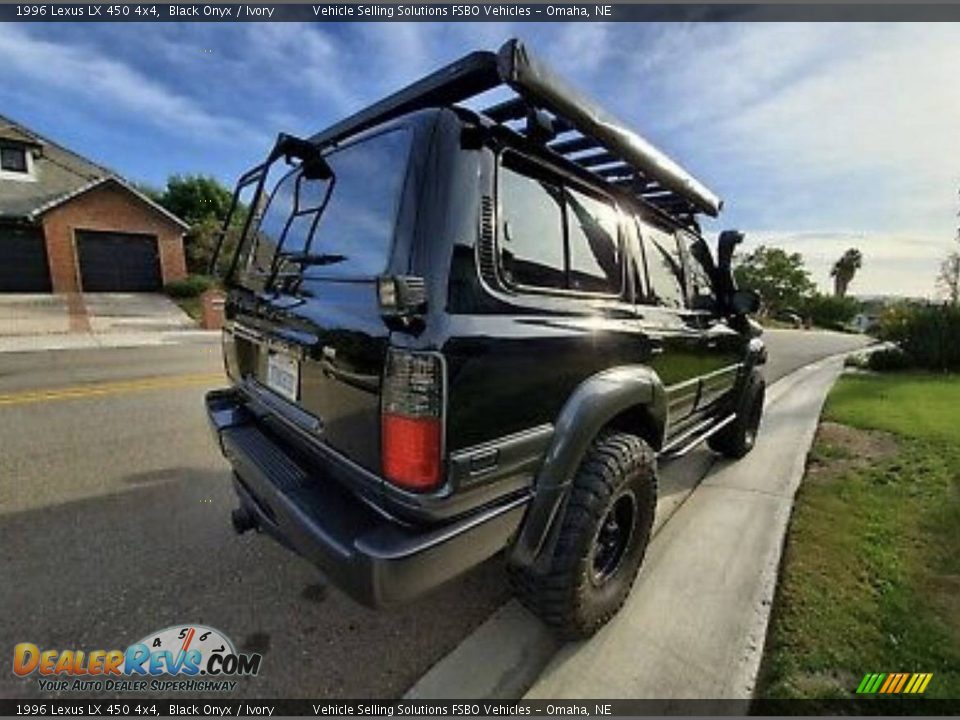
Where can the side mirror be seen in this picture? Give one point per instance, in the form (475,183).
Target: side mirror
(745,302)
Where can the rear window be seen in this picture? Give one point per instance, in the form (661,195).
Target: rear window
(348,219)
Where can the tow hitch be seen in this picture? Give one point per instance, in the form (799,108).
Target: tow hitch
(243,520)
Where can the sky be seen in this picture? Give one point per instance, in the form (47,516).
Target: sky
(818,137)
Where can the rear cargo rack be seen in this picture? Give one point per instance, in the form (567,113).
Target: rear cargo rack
(591,138)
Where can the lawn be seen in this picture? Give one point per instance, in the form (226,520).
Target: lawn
(871,575)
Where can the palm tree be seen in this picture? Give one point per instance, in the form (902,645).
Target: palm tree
(844,269)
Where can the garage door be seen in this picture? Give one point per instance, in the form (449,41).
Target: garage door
(118,262)
(23,260)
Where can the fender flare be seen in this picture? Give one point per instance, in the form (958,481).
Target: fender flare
(595,402)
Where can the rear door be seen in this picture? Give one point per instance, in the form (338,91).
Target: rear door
(118,262)
(307,326)
(23,260)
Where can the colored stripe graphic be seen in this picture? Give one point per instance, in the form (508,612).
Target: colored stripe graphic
(903,681)
(912,684)
(888,683)
(894,683)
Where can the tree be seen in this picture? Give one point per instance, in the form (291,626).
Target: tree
(948,281)
(204,203)
(844,269)
(779,277)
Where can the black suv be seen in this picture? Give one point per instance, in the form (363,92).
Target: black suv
(454,332)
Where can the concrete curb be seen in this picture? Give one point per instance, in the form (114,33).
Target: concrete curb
(649,650)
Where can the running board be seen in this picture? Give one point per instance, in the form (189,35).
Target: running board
(670,449)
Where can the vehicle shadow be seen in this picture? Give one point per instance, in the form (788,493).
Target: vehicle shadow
(103,572)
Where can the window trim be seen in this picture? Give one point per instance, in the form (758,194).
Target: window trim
(563,181)
(28,173)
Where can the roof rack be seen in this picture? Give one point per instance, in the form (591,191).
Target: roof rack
(596,142)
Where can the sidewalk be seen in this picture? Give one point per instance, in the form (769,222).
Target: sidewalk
(31,323)
(87,340)
(695,623)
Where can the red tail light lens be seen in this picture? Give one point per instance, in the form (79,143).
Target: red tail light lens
(412,420)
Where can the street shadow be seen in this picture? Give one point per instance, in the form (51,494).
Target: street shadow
(102,573)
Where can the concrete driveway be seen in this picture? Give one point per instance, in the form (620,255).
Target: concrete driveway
(30,314)
(50,314)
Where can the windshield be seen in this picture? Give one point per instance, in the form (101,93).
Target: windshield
(340,227)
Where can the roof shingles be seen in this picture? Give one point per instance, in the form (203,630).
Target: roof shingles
(60,174)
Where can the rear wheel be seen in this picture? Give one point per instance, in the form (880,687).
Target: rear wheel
(601,541)
(739,437)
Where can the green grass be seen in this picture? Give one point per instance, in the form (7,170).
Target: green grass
(192,306)
(871,573)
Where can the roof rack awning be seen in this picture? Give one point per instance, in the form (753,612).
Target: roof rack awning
(609,141)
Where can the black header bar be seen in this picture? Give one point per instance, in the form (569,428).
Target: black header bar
(205,707)
(477,12)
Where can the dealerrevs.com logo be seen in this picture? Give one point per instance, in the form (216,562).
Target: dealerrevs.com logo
(179,658)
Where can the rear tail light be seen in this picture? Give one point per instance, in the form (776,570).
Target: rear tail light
(412,419)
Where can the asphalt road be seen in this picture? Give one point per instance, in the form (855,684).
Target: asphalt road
(114,522)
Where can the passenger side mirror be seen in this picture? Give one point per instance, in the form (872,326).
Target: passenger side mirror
(745,302)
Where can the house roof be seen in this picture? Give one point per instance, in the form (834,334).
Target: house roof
(61,175)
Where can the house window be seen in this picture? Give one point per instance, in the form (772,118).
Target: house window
(13,159)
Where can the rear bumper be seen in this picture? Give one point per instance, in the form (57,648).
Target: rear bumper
(377,560)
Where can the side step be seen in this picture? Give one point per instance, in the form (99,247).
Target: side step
(684,443)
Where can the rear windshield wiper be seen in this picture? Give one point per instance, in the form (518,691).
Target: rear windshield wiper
(311,259)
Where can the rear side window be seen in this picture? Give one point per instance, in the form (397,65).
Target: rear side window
(555,237)
(594,249)
(664,266)
(531,248)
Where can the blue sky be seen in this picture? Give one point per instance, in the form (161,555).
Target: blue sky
(818,136)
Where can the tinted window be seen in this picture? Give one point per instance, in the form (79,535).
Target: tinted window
(664,266)
(592,238)
(531,231)
(349,218)
(699,287)
(360,216)
(273,222)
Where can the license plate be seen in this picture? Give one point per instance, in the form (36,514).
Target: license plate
(283,375)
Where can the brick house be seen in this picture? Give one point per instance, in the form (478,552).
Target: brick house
(68,224)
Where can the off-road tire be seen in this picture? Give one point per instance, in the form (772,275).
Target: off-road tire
(738,438)
(619,470)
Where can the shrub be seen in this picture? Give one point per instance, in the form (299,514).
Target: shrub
(889,359)
(191,286)
(928,334)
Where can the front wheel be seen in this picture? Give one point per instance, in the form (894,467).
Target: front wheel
(601,541)
(739,437)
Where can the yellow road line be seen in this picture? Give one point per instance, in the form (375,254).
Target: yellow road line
(118,387)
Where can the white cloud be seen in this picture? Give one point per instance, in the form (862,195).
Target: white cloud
(893,264)
(81,72)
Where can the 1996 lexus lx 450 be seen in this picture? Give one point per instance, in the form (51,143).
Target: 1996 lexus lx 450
(454,332)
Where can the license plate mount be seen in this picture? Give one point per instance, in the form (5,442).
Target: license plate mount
(283,375)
